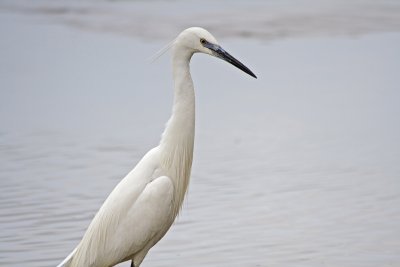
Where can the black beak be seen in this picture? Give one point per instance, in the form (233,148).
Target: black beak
(222,54)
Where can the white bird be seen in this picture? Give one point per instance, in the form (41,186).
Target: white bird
(143,206)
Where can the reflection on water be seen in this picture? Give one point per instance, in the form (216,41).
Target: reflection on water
(298,168)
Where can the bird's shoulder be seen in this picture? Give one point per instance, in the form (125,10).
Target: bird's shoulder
(133,184)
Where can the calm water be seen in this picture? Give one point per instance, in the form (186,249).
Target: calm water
(298,168)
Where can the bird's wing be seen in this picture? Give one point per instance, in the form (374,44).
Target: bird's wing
(148,219)
(125,226)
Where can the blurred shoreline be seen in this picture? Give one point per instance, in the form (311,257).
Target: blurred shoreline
(266,21)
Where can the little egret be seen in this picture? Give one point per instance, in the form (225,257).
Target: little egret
(143,206)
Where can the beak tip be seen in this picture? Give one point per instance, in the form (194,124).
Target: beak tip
(252,74)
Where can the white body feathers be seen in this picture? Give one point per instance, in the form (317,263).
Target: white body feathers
(143,206)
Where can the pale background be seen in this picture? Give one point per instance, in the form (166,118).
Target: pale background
(300,167)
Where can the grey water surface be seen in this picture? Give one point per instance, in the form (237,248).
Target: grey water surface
(300,167)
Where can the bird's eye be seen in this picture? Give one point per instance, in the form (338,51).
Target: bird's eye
(203,41)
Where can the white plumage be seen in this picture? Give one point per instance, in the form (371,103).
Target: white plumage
(143,206)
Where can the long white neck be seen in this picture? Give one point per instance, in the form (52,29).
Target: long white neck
(178,138)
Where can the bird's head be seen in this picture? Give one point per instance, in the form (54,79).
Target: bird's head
(199,40)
